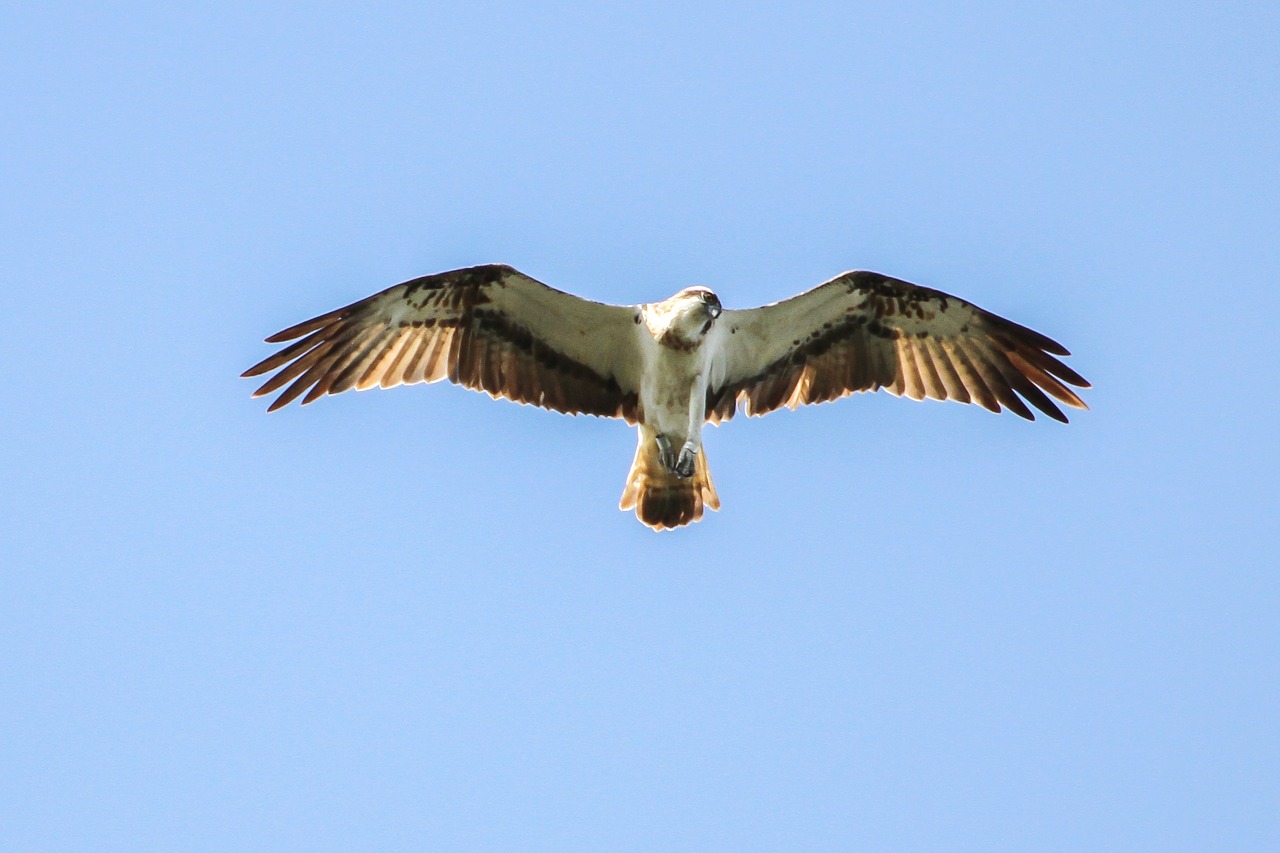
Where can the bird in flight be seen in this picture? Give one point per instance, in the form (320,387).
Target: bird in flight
(670,367)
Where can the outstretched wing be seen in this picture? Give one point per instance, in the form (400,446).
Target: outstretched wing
(863,331)
(490,328)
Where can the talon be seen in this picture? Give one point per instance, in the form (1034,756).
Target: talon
(684,465)
(665,456)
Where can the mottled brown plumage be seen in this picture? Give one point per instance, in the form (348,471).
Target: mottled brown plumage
(457,325)
(863,331)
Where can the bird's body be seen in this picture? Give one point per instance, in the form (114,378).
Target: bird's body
(672,366)
(669,481)
(673,382)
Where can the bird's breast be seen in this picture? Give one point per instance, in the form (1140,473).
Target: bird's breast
(671,380)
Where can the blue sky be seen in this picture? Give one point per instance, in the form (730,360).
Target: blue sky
(415,619)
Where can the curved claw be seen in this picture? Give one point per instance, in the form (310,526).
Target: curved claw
(665,454)
(684,465)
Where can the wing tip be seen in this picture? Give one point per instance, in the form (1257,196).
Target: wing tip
(314,324)
(1058,415)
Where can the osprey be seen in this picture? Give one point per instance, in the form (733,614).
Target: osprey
(669,367)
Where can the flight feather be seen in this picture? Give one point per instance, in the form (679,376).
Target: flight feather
(863,331)
(490,328)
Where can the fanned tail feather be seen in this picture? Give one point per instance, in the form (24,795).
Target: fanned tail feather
(661,499)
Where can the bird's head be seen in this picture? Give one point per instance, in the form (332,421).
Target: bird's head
(698,302)
(685,319)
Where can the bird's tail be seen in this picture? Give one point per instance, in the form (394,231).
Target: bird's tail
(661,499)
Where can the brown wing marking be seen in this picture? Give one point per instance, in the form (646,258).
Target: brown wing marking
(911,341)
(431,328)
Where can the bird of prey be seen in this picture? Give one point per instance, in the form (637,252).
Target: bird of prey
(670,367)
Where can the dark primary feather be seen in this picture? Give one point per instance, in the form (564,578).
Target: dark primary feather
(863,331)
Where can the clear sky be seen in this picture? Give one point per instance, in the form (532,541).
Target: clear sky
(415,619)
